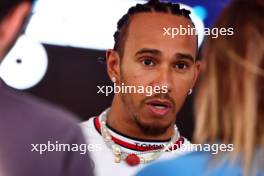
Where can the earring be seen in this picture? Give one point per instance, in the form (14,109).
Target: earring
(190,92)
(113,79)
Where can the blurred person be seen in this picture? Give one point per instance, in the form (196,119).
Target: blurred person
(26,120)
(137,128)
(229,102)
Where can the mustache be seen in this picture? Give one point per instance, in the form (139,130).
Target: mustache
(160,96)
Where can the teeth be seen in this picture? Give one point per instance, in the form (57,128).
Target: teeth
(160,107)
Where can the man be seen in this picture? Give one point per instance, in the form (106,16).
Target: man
(26,123)
(138,128)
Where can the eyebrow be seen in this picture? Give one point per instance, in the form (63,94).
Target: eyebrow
(148,51)
(184,56)
(158,52)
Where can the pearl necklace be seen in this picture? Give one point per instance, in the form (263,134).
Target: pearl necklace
(133,158)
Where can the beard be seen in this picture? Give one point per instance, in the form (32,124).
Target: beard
(151,130)
(133,112)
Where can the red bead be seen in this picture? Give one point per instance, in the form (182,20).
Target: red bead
(132,160)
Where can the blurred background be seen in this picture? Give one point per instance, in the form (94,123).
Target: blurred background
(56,58)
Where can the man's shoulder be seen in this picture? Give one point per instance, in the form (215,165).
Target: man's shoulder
(186,141)
(16,106)
(26,121)
(88,123)
(90,131)
(88,126)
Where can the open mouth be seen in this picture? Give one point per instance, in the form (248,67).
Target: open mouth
(159,107)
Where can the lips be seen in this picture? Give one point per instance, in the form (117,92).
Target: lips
(159,107)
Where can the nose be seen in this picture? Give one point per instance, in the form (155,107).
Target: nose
(164,78)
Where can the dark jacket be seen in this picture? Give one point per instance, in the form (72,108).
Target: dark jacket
(26,120)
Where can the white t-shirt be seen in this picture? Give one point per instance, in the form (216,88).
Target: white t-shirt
(104,159)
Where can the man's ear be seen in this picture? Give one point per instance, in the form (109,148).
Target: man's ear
(11,25)
(197,68)
(113,65)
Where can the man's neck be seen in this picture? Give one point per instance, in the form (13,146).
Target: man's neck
(119,119)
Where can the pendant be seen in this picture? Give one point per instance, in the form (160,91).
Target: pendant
(117,158)
(132,160)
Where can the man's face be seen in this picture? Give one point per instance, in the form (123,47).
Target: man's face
(152,59)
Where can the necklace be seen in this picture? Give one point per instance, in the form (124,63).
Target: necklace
(133,159)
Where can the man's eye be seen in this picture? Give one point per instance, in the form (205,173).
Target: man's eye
(147,62)
(181,66)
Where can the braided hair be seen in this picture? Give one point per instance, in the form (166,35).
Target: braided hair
(151,6)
